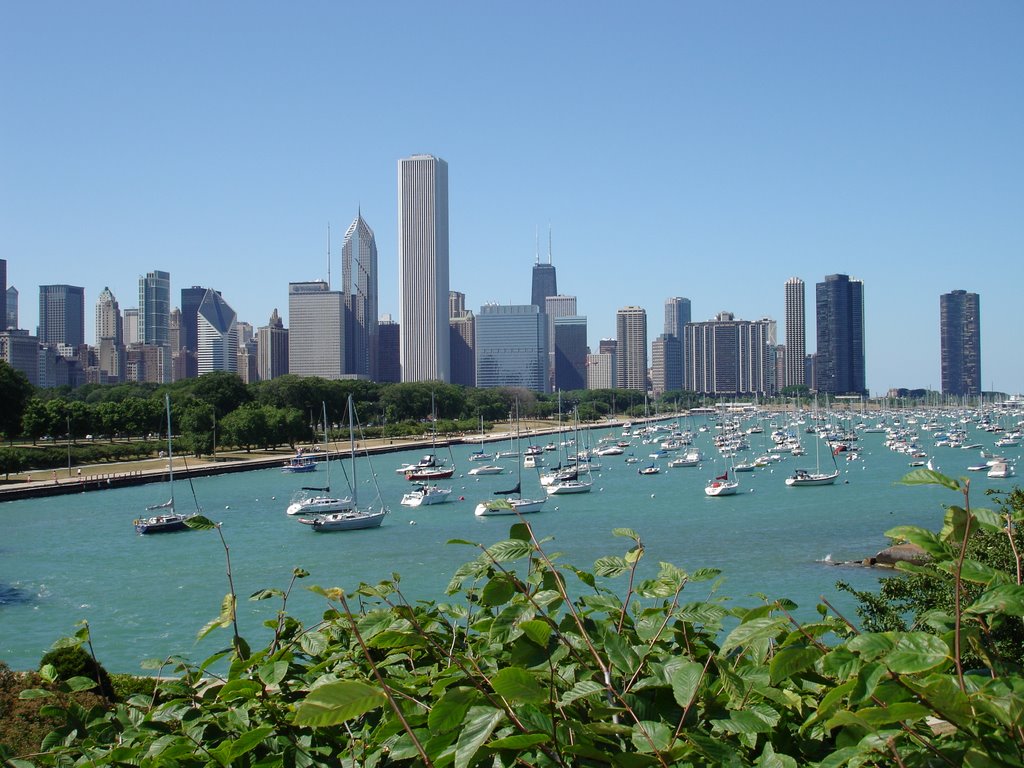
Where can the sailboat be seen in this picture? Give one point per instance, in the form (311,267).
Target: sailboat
(321,502)
(354,518)
(571,482)
(721,486)
(817,477)
(167,520)
(514,503)
(429,468)
(479,454)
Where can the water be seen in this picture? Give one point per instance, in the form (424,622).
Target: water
(72,558)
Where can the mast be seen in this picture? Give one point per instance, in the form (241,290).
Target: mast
(352,450)
(170,456)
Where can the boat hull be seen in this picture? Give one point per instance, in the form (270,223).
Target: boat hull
(171,523)
(812,479)
(514,507)
(345,521)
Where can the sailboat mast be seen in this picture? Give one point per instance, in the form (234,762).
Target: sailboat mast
(170,455)
(352,449)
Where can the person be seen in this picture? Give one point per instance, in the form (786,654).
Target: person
(79,474)
(55,480)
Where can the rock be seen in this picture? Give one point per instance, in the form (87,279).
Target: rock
(901,553)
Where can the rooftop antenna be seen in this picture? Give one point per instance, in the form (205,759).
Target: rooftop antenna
(549,242)
(537,246)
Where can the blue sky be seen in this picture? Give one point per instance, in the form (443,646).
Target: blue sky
(707,150)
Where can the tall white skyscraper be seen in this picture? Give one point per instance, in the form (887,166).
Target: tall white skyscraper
(359,273)
(217,331)
(796,333)
(631,334)
(316,333)
(108,318)
(423,268)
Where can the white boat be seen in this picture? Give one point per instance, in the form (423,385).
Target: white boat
(650,469)
(609,450)
(426,495)
(569,486)
(512,502)
(168,520)
(356,518)
(533,460)
(486,469)
(1001,470)
(803,477)
(300,463)
(317,500)
(721,486)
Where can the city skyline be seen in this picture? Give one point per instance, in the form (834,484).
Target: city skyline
(746,147)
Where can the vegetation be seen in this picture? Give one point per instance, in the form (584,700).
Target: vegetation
(535,662)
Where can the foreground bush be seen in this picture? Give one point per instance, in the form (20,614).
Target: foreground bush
(542,663)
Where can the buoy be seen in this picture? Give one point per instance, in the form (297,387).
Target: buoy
(412,522)
(462,498)
(652,495)
(227,506)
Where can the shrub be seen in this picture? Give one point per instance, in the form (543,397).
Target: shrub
(74,661)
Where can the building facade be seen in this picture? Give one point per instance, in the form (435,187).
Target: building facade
(217,335)
(154,308)
(601,370)
(677,315)
(389,360)
(730,357)
(570,355)
(796,334)
(423,268)
(631,338)
(839,365)
(960,341)
(11,317)
(62,315)
(272,349)
(359,274)
(666,364)
(316,332)
(462,343)
(510,347)
(3,295)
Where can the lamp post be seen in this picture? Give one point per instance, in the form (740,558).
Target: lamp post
(68,417)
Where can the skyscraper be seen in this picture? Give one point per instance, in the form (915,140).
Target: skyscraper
(570,355)
(960,336)
(677,315)
(666,364)
(272,349)
(11,319)
(3,294)
(729,356)
(545,282)
(423,268)
(217,332)
(796,334)
(154,308)
(510,347)
(62,315)
(839,365)
(359,274)
(316,332)
(462,325)
(631,335)
(108,318)
(388,354)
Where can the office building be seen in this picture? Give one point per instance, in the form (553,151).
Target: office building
(555,307)
(154,308)
(601,370)
(61,315)
(388,350)
(3,295)
(545,282)
(272,349)
(666,364)
(316,331)
(359,274)
(423,268)
(21,351)
(729,357)
(570,351)
(462,347)
(130,326)
(677,315)
(796,334)
(631,345)
(217,335)
(12,308)
(839,367)
(108,318)
(510,347)
(960,339)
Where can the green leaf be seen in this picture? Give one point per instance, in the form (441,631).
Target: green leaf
(929,477)
(477,728)
(582,689)
(48,672)
(336,702)
(517,684)
(1007,599)
(447,713)
(955,524)
(627,533)
(313,643)
(538,631)
(227,613)
(769,758)
(686,680)
(510,549)
(273,673)
(926,540)
(519,741)
(239,689)
(498,591)
(651,736)
(34,693)
(743,721)
(750,631)
(790,661)
(247,741)
(610,567)
(266,594)
(897,712)
(200,523)
(80,683)
(520,531)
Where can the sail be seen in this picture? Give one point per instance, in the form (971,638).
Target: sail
(723,478)
(166,505)
(508,493)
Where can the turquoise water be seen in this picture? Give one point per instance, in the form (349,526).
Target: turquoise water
(73,558)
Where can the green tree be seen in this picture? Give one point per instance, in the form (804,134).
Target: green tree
(35,421)
(245,427)
(223,390)
(194,422)
(15,392)
(11,460)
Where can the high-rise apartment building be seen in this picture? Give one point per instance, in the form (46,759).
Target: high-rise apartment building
(666,364)
(316,333)
(389,360)
(510,347)
(130,326)
(423,268)
(726,356)
(217,333)
(839,363)
(796,334)
(62,315)
(631,338)
(677,315)
(359,274)
(272,349)
(570,355)
(154,308)
(960,337)
(601,371)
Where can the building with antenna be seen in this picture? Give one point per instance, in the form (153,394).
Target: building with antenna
(359,278)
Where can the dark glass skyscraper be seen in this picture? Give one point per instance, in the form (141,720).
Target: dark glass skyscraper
(839,366)
(62,314)
(960,332)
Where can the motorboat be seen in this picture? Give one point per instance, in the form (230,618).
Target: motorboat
(300,463)
(426,495)
(486,469)
(1001,470)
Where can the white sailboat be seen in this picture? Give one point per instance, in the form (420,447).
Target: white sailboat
(355,518)
(167,520)
(317,500)
(817,477)
(513,502)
